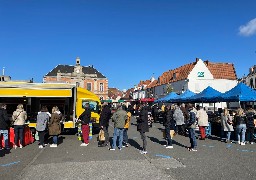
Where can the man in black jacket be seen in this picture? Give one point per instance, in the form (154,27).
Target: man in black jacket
(142,126)
(85,118)
(105,116)
(4,124)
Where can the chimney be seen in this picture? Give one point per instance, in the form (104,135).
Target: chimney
(207,62)
(77,61)
(197,59)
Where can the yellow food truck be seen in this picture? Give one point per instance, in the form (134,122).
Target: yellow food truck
(69,98)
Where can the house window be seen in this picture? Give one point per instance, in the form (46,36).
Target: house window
(174,76)
(101,87)
(251,83)
(89,86)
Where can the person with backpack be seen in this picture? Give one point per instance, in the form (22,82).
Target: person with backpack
(19,117)
(191,125)
(250,116)
(4,125)
(41,124)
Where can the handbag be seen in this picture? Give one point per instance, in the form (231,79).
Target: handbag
(101,136)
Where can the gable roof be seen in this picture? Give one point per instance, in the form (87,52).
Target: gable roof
(69,69)
(222,70)
(218,70)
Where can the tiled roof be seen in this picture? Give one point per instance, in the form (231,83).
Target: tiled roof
(113,93)
(70,69)
(146,82)
(222,70)
(177,74)
(128,94)
(152,84)
(218,70)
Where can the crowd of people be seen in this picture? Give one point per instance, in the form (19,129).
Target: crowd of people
(47,122)
(182,119)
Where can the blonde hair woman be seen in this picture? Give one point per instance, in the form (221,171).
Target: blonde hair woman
(55,126)
(240,122)
(227,124)
(19,117)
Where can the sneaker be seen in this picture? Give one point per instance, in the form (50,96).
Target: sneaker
(251,142)
(53,145)
(112,149)
(84,144)
(238,142)
(192,149)
(21,146)
(242,143)
(41,146)
(143,152)
(15,146)
(169,147)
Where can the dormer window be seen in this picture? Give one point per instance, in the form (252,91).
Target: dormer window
(77,61)
(174,76)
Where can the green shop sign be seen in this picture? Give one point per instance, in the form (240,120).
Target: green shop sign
(200,74)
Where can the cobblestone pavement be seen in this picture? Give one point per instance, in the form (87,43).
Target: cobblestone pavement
(213,160)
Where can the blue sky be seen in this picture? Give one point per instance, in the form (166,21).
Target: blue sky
(126,40)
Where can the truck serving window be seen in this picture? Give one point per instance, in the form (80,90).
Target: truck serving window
(93,105)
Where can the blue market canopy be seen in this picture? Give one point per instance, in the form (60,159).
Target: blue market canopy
(240,92)
(207,95)
(168,97)
(184,96)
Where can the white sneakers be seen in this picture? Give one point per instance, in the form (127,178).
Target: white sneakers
(41,146)
(169,147)
(84,144)
(53,145)
(242,143)
(143,152)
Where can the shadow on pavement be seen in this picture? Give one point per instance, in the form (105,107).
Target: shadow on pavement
(3,152)
(155,140)
(178,144)
(134,144)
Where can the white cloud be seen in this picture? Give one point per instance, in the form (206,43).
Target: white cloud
(249,29)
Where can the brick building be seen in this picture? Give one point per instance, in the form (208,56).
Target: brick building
(85,76)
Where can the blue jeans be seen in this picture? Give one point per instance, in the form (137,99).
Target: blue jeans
(55,139)
(6,139)
(168,136)
(125,136)
(228,135)
(192,137)
(118,132)
(241,129)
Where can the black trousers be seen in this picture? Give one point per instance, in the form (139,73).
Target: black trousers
(41,135)
(250,131)
(143,137)
(19,134)
(105,129)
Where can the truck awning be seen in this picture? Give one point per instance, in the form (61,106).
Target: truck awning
(18,92)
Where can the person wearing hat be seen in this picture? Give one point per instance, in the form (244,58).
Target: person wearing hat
(4,124)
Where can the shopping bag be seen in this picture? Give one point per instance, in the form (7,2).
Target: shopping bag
(172,134)
(101,136)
